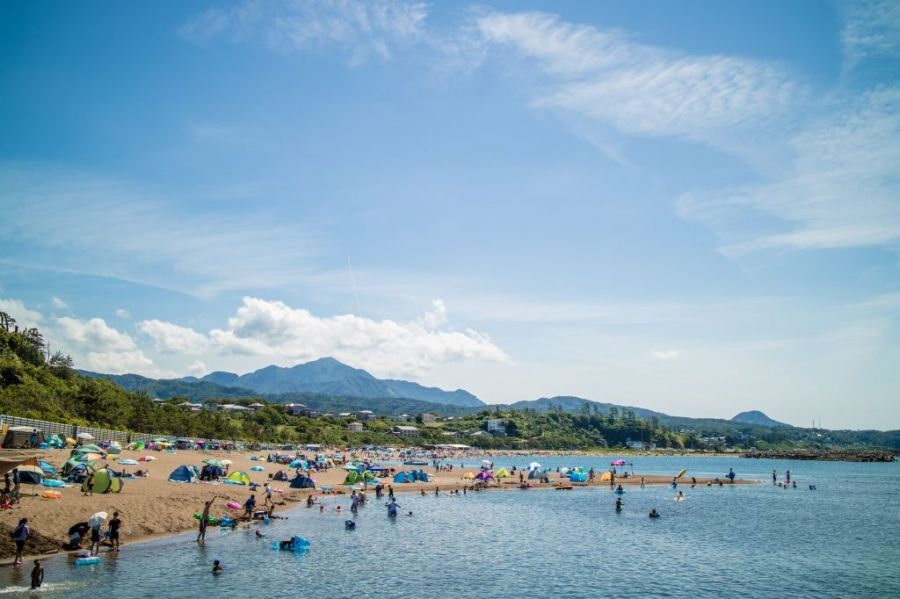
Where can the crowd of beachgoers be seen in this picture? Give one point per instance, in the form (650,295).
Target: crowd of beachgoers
(136,494)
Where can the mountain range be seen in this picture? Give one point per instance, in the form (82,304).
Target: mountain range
(329,385)
(328,376)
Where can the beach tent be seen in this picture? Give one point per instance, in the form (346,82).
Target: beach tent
(89,449)
(56,441)
(420,476)
(469,476)
(48,469)
(353,477)
(606,476)
(299,464)
(403,477)
(280,475)
(114,448)
(30,475)
(484,476)
(501,473)
(20,437)
(303,482)
(183,474)
(578,477)
(103,482)
(238,477)
(537,473)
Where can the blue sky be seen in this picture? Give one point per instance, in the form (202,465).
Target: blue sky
(688,207)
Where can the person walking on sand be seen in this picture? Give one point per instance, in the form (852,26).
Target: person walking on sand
(89,488)
(204,519)
(114,525)
(249,505)
(268,495)
(391,491)
(37,575)
(20,535)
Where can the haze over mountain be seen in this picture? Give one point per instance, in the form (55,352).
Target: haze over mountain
(331,377)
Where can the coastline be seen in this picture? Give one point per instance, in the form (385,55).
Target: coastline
(153,508)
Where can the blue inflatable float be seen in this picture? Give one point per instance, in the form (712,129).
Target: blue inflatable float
(87,561)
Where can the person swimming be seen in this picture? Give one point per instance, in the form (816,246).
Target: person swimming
(217,567)
(680,496)
(654,513)
(349,525)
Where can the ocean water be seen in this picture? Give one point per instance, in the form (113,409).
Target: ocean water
(842,540)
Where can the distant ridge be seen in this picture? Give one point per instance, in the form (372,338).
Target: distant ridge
(331,377)
(758,418)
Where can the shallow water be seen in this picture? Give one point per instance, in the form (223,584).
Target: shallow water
(755,540)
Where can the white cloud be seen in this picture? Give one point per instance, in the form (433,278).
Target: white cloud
(123,313)
(840,191)
(361,28)
(24,317)
(607,77)
(386,347)
(58,303)
(77,221)
(95,335)
(667,354)
(168,337)
(198,368)
(119,362)
(871,29)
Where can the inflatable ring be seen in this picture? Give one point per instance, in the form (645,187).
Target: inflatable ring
(51,495)
(87,561)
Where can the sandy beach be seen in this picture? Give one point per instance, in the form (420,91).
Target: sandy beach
(152,507)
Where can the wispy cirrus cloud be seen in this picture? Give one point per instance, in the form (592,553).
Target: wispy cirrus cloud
(871,29)
(66,219)
(362,29)
(841,190)
(607,77)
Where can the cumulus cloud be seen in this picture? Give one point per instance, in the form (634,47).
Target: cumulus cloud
(95,334)
(607,77)
(123,313)
(25,318)
(361,28)
(198,368)
(59,304)
(386,347)
(119,362)
(667,354)
(168,337)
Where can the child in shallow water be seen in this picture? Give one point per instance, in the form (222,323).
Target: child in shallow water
(217,567)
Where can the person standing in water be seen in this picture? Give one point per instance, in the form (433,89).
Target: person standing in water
(619,504)
(114,525)
(774,477)
(787,476)
(20,536)
(37,575)
(204,519)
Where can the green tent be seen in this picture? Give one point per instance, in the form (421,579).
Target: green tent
(238,477)
(353,477)
(103,482)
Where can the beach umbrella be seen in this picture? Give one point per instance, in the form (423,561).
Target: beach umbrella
(90,449)
(48,469)
(85,436)
(534,466)
(227,462)
(128,462)
(486,462)
(618,463)
(97,519)
(213,462)
(89,457)
(681,473)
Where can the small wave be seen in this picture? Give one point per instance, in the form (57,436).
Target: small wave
(46,588)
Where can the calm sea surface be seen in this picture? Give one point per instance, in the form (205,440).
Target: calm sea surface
(842,540)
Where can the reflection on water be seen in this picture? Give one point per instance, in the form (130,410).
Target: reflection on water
(756,540)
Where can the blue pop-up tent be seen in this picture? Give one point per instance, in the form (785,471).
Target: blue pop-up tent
(303,482)
(182,474)
(404,477)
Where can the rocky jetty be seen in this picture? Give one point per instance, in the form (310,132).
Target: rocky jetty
(829,455)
